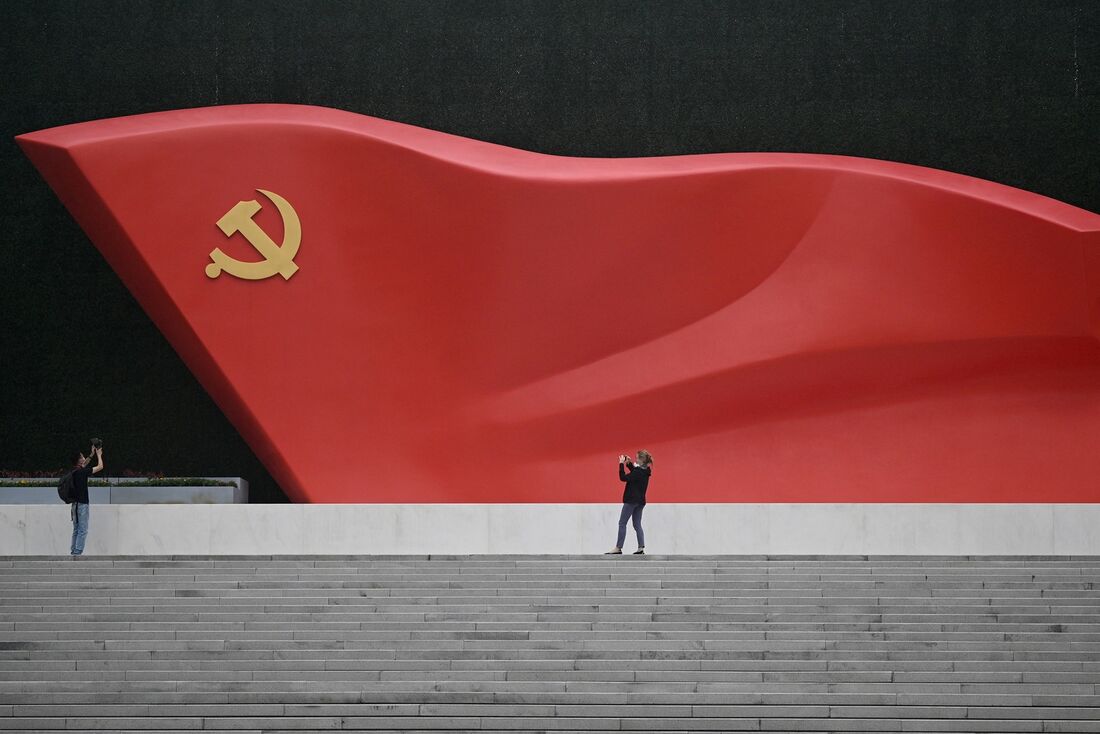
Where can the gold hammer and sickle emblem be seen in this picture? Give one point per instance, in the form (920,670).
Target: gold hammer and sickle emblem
(277,258)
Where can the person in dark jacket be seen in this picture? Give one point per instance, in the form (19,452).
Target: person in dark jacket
(79,508)
(636,475)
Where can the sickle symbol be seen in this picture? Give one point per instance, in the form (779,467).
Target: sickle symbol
(277,259)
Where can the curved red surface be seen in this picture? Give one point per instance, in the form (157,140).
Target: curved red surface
(473,323)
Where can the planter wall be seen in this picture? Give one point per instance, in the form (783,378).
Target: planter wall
(124,493)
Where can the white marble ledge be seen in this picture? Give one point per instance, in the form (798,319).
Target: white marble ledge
(869,529)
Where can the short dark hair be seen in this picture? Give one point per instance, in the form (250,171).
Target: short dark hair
(77,457)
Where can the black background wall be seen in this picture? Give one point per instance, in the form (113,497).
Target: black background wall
(1008,91)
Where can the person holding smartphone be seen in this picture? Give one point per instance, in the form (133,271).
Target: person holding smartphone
(79,508)
(636,475)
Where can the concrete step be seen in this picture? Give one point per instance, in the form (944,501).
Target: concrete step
(525,643)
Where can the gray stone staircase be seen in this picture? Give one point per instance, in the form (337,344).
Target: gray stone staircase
(550,643)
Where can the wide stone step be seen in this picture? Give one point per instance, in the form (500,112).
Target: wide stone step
(207,597)
(500,690)
(1040,634)
(761,694)
(522,643)
(729,718)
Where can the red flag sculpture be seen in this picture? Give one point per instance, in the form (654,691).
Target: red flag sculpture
(391,314)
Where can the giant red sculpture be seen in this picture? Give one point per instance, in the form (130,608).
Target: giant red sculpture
(463,322)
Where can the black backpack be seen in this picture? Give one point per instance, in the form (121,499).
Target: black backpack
(65,488)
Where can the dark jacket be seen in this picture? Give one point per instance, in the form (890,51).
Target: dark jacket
(637,479)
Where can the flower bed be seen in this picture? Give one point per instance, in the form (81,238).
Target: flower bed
(122,482)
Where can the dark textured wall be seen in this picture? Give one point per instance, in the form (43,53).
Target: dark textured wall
(1008,91)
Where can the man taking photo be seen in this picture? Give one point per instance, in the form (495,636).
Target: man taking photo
(79,508)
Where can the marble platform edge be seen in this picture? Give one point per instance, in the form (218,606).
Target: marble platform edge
(566,529)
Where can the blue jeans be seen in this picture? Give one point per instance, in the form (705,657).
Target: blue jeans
(79,512)
(631,511)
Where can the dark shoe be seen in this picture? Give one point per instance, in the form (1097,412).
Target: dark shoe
(639,552)
(615,552)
